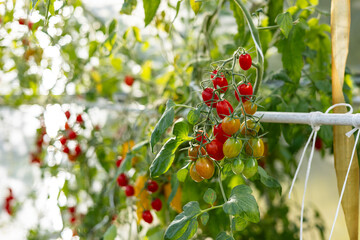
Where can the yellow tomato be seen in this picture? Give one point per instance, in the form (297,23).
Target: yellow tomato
(255,147)
(251,128)
(249,107)
(230,125)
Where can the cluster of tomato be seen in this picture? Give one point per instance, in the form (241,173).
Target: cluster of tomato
(23,21)
(228,131)
(39,142)
(72,211)
(70,134)
(8,202)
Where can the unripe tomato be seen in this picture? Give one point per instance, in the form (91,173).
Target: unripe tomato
(237,166)
(244,89)
(220,82)
(205,167)
(194,175)
(129,80)
(251,167)
(201,137)
(194,152)
(249,107)
(255,147)
(245,61)
(156,204)
(122,180)
(146,215)
(152,186)
(230,125)
(251,128)
(224,108)
(215,149)
(209,97)
(219,133)
(232,147)
(129,191)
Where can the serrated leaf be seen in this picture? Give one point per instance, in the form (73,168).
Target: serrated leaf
(193,116)
(110,233)
(241,202)
(195,6)
(209,196)
(150,8)
(224,236)
(284,20)
(181,129)
(268,181)
(239,223)
(181,174)
(204,218)
(165,121)
(128,7)
(165,157)
(185,224)
(112,26)
(137,34)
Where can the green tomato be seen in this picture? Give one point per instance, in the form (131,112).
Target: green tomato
(237,166)
(232,147)
(251,167)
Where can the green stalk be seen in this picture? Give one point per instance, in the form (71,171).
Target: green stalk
(255,36)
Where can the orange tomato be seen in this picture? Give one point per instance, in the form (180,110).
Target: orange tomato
(251,128)
(255,147)
(230,125)
(194,175)
(249,107)
(193,152)
(205,167)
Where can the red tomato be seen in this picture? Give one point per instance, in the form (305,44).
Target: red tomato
(79,119)
(30,25)
(119,161)
(22,21)
(230,125)
(77,150)
(72,209)
(215,149)
(129,191)
(122,180)
(224,108)
(245,61)
(152,186)
(72,134)
(146,215)
(129,80)
(200,136)
(244,89)
(209,97)
(156,204)
(219,133)
(318,144)
(220,82)
(67,114)
(63,140)
(66,150)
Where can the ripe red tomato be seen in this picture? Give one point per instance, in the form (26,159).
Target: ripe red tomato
(119,161)
(77,150)
(200,136)
(146,215)
(63,140)
(72,209)
(72,134)
(79,119)
(245,61)
(318,144)
(219,133)
(209,97)
(129,191)
(122,180)
(205,167)
(249,107)
(194,175)
(220,82)
(66,150)
(129,80)
(230,126)
(30,25)
(67,114)
(22,21)
(215,149)
(156,204)
(193,152)
(72,219)
(232,147)
(244,89)
(224,108)
(67,127)
(152,186)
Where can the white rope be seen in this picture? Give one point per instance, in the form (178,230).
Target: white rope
(355,120)
(315,128)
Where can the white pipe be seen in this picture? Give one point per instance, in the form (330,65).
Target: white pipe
(306,118)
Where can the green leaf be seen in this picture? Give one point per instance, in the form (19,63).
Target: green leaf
(193,116)
(177,10)
(116,63)
(284,20)
(181,174)
(224,236)
(34,3)
(239,17)
(128,7)
(139,145)
(292,49)
(165,121)
(137,34)
(125,165)
(181,129)
(92,48)
(210,196)
(110,233)
(150,8)
(112,26)
(195,6)
(268,181)
(185,224)
(165,157)
(239,223)
(275,7)
(204,218)
(241,202)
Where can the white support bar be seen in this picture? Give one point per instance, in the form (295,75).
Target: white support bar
(305,118)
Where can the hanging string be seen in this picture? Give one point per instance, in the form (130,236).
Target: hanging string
(356,125)
(315,128)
